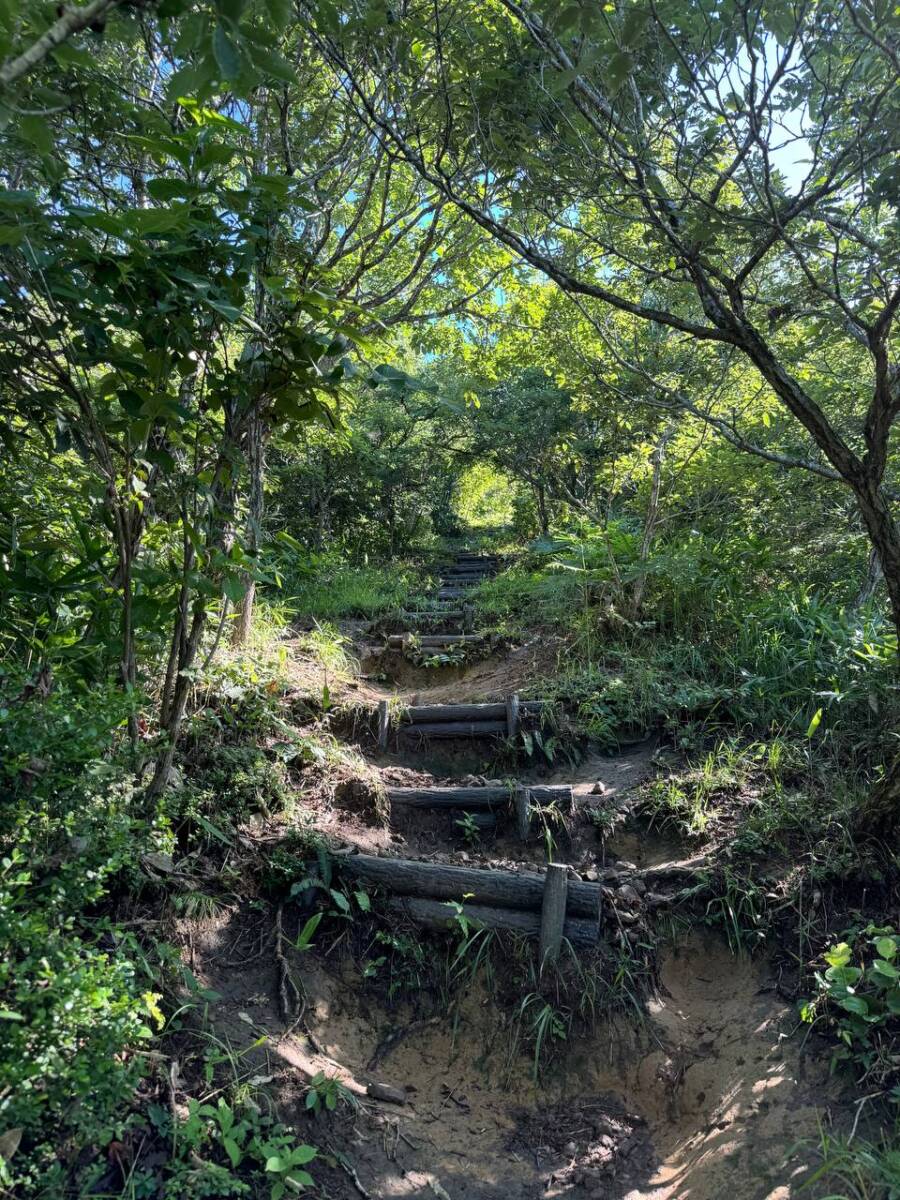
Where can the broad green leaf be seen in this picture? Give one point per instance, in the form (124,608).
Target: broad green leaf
(226,53)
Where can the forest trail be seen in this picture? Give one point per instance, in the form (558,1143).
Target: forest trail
(707,1094)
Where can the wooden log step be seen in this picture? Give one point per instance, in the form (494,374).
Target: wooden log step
(454,729)
(397,641)
(441,881)
(466,712)
(434,614)
(431,914)
(477,797)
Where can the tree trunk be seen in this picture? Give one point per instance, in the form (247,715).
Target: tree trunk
(885,537)
(255,453)
(874,576)
(656,459)
(879,815)
(540,496)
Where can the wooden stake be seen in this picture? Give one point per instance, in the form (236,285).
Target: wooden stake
(512,715)
(384,724)
(553,912)
(523,811)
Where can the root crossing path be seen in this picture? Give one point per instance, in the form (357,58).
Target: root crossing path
(699,1090)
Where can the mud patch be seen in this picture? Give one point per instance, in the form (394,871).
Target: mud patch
(708,1097)
(635,843)
(584,1143)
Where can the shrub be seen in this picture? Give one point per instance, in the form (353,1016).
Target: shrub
(858,998)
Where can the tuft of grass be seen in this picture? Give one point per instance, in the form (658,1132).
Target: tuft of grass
(857,1169)
(333,590)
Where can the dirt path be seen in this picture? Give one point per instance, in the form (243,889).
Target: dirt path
(706,1093)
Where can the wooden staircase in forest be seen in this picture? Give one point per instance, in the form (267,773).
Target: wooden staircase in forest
(545,905)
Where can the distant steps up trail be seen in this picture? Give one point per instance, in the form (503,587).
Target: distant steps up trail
(544,905)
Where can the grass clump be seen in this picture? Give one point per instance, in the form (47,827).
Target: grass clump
(331,589)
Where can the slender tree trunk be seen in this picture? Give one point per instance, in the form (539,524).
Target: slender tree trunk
(255,435)
(255,453)
(884,535)
(652,519)
(540,497)
(879,815)
(874,576)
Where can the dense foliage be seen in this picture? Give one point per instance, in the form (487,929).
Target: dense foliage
(293,297)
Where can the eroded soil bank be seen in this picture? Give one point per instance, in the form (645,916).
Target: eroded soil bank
(711,1095)
(700,1088)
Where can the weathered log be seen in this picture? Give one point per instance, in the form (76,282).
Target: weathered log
(397,641)
(434,614)
(553,912)
(466,712)
(441,881)
(453,729)
(477,797)
(512,715)
(433,915)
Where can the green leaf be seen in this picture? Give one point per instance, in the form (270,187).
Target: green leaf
(234,588)
(839,955)
(36,131)
(340,899)
(232,1150)
(275,65)
(227,55)
(281,12)
(854,1004)
(886,947)
(308,930)
(814,723)
(618,70)
(170,188)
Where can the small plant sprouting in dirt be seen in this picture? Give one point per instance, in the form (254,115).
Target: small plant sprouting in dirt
(326,1092)
(404,963)
(217,1149)
(469,829)
(602,819)
(540,1024)
(739,907)
(551,821)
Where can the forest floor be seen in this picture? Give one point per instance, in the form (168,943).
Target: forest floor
(701,1086)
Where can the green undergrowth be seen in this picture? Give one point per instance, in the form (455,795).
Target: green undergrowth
(709,652)
(329,588)
(94,1000)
